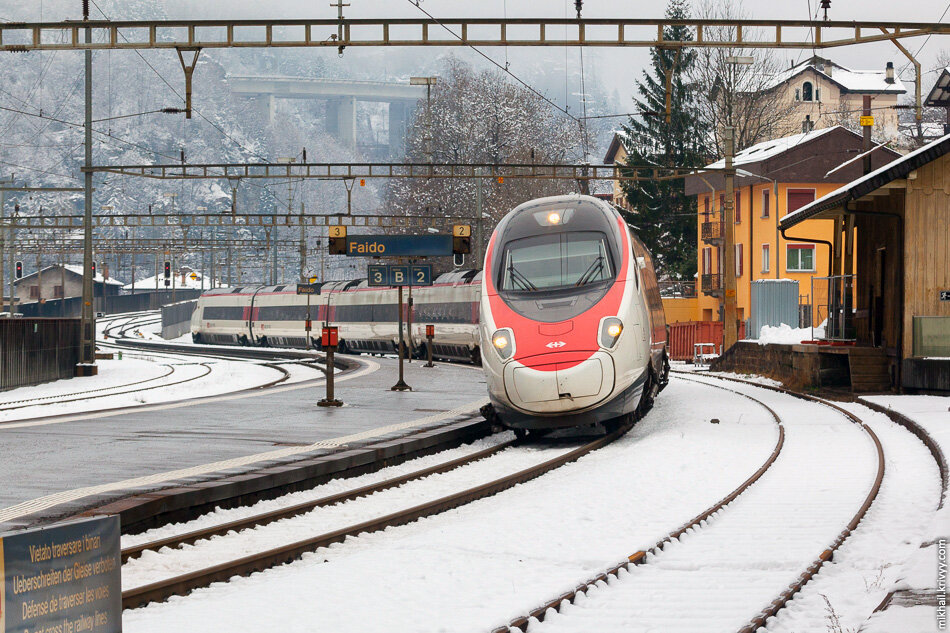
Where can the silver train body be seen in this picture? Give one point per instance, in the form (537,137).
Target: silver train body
(367,318)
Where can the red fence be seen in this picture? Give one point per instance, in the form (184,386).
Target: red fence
(684,335)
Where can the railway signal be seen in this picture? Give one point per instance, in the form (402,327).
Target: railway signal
(430,334)
(461,239)
(19,270)
(329,338)
(93,270)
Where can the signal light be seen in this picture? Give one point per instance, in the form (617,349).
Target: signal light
(19,270)
(168,270)
(93,270)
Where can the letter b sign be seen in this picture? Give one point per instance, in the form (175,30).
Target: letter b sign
(398,275)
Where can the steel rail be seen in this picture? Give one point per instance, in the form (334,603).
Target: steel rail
(264,518)
(521,622)
(180,585)
(812,570)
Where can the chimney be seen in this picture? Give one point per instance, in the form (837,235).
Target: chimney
(890,72)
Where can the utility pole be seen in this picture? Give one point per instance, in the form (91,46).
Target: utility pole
(730,330)
(3,237)
(87,355)
(303,247)
(479,256)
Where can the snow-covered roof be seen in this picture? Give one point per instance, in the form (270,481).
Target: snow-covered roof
(899,168)
(859,81)
(940,94)
(768,149)
(76,270)
(98,278)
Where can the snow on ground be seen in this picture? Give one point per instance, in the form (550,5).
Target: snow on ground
(683,367)
(919,571)
(475,567)
(869,563)
(720,576)
(112,374)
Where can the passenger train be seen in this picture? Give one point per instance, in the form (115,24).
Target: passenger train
(571,316)
(567,323)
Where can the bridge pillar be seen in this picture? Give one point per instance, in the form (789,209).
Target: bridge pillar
(398,121)
(267,106)
(341,120)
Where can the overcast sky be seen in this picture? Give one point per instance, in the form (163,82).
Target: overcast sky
(616,68)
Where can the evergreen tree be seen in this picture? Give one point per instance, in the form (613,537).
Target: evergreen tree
(665,217)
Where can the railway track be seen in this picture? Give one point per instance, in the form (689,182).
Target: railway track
(184,583)
(681,547)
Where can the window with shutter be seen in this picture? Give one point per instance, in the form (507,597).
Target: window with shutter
(738,260)
(765,203)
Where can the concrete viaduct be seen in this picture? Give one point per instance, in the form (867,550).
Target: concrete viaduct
(341,96)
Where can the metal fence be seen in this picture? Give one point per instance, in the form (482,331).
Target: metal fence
(176,318)
(37,350)
(72,306)
(833,308)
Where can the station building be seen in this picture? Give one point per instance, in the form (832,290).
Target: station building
(901,216)
(59,281)
(773,179)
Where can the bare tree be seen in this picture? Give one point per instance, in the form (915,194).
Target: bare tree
(478,117)
(741,96)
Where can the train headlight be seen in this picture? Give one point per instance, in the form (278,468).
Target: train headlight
(503,341)
(610,330)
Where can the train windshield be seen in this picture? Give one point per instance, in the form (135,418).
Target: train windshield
(559,260)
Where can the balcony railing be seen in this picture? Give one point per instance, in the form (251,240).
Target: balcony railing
(712,284)
(677,289)
(714,231)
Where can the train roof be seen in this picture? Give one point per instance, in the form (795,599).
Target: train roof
(464,276)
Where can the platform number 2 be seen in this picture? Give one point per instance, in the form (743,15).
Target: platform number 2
(420,276)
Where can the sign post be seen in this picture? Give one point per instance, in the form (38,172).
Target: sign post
(400,384)
(328,341)
(308,289)
(430,334)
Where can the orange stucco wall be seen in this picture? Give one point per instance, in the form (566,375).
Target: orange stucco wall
(752,232)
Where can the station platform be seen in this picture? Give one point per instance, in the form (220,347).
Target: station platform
(63,466)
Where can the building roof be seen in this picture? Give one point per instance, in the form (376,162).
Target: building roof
(849,80)
(940,95)
(767,149)
(878,178)
(616,143)
(800,158)
(75,270)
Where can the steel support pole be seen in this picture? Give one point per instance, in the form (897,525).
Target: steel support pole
(88,326)
(3,237)
(730,328)
(303,248)
(478,224)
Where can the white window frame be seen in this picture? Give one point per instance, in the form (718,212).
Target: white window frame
(739,261)
(800,247)
(766,258)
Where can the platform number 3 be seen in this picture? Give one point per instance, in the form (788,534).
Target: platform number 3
(377,276)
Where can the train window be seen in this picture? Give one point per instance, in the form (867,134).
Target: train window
(556,261)
(223,313)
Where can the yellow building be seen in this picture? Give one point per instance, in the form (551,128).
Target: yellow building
(773,178)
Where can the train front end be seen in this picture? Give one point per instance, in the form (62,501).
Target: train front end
(562,322)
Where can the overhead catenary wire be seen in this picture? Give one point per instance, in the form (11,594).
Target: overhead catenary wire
(499,66)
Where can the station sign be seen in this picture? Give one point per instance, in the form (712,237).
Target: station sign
(398,245)
(308,289)
(382,275)
(63,578)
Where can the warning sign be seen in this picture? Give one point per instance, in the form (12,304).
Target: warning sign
(62,579)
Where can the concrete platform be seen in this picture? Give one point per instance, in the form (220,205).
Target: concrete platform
(59,467)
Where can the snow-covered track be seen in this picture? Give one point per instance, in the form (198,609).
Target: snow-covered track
(682,550)
(184,583)
(264,518)
(640,557)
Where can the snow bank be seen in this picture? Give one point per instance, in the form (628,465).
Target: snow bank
(785,335)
